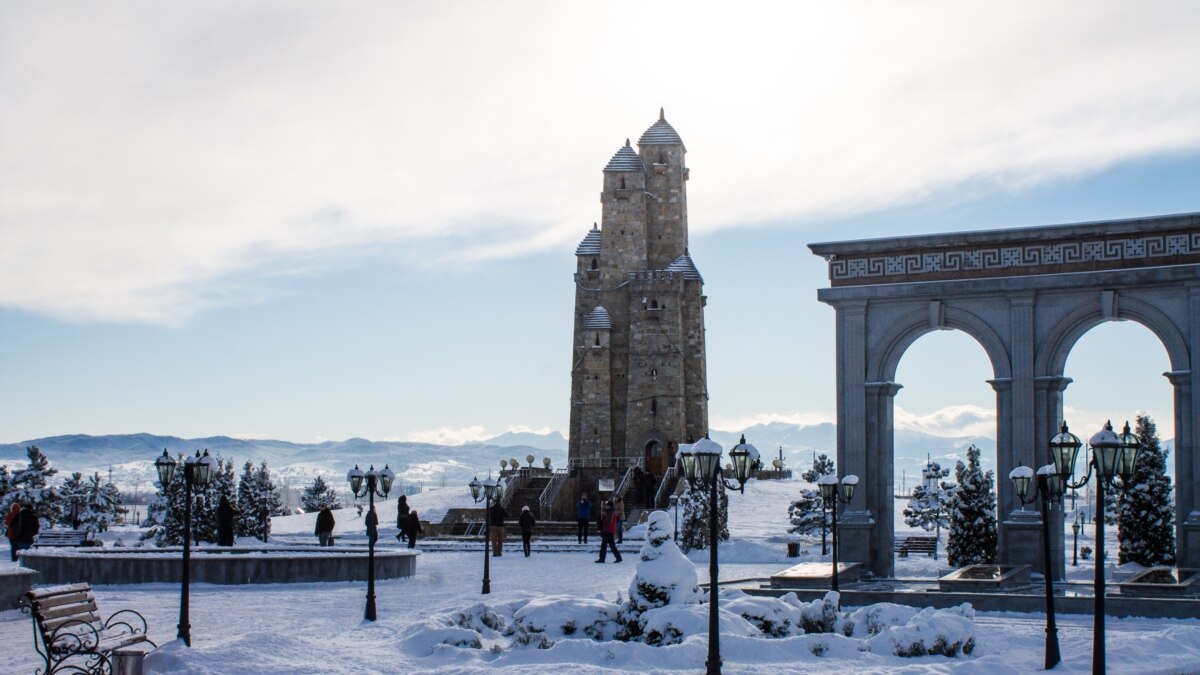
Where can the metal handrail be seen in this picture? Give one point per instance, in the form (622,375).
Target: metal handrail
(624,484)
(604,462)
(666,479)
(550,494)
(516,481)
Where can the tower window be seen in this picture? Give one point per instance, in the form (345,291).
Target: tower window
(595,265)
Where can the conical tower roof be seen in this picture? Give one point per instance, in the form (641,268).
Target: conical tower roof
(591,242)
(625,160)
(660,133)
(684,265)
(598,319)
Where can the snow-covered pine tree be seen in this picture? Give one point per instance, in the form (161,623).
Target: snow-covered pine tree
(972,537)
(244,522)
(104,504)
(73,497)
(664,575)
(317,495)
(694,529)
(32,484)
(1145,517)
(165,511)
(258,500)
(207,499)
(926,508)
(807,514)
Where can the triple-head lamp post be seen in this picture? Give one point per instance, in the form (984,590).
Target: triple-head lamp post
(487,491)
(375,483)
(702,468)
(832,492)
(197,473)
(1049,490)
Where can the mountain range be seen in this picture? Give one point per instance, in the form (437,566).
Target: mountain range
(130,457)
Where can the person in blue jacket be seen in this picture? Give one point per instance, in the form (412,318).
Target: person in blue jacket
(583,515)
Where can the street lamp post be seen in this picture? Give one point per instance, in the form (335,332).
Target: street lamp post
(673,503)
(376,483)
(197,473)
(1112,455)
(1049,490)
(702,468)
(492,489)
(833,491)
(1075,553)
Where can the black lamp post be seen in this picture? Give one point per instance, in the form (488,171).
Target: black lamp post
(1112,455)
(491,490)
(197,473)
(1075,553)
(702,468)
(1049,490)
(832,492)
(376,483)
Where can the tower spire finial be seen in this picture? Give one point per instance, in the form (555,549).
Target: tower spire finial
(662,115)
(627,142)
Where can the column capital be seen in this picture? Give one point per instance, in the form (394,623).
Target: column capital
(1052,382)
(851,306)
(1022,299)
(1001,384)
(1179,378)
(884,388)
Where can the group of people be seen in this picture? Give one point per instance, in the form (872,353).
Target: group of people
(21,526)
(496,517)
(408,522)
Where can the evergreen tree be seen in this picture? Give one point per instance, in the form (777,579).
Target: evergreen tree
(808,514)
(317,495)
(165,511)
(206,501)
(32,484)
(104,504)
(1145,517)
(694,530)
(926,508)
(73,497)
(258,500)
(972,538)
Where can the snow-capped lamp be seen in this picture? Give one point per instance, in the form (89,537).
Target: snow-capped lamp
(1064,449)
(832,492)
(165,466)
(701,463)
(1048,491)
(377,483)
(487,491)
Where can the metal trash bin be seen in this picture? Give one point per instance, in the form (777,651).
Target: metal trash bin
(128,662)
(793,549)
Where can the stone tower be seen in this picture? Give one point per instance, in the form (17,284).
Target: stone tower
(638,377)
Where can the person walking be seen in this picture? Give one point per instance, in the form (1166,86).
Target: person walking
(10,524)
(27,526)
(325,524)
(619,508)
(225,516)
(496,518)
(372,522)
(527,522)
(608,529)
(412,527)
(402,517)
(583,515)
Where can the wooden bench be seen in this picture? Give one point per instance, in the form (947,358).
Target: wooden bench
(906,545)
(67,626)
(65,538)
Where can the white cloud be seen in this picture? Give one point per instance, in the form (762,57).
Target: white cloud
(955,420)
(739,422)
(159,160)
(448,436)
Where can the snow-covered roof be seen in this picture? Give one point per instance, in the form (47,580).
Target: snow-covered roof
(625,160)
(591,243)
(684,265)
(598,320)
(660,133)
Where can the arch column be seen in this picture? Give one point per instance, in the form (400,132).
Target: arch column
(871,521)
(1187,469)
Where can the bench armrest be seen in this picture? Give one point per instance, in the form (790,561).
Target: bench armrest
(128,619)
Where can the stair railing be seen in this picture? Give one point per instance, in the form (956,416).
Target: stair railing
(550,493)
(667,479)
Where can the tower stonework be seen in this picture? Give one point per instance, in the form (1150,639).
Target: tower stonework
(638,375)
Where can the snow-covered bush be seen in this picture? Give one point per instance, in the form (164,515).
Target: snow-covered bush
(947,632)
(675,623)
(664,574)
(557,616)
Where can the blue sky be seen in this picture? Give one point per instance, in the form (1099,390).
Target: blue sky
(314,221)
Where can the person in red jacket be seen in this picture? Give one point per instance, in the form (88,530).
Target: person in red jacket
(10,524)
(608,530)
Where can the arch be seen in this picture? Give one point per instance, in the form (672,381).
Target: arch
(907,330)
(1061,339)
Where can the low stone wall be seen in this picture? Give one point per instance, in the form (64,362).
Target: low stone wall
(216,566)
(13,584)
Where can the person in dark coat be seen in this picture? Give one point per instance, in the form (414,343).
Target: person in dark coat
(27,527)
(496,517)
(372,526)
(412,528)
(619,508)
(527,522)
(583,515)
(10,524)
(325,524)
(225,517)
(608,530)
(648,489)
(402,510)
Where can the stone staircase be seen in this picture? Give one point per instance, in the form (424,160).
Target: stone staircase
(528,496)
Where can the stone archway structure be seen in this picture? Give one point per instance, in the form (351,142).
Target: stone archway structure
(1026,295)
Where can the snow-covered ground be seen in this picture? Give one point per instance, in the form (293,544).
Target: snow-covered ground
(318,628)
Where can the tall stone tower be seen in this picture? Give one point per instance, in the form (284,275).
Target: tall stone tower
(638,377)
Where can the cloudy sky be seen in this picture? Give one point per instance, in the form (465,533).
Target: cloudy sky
(315,220)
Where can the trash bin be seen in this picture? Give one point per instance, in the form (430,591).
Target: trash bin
(127,662)
(793,549)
